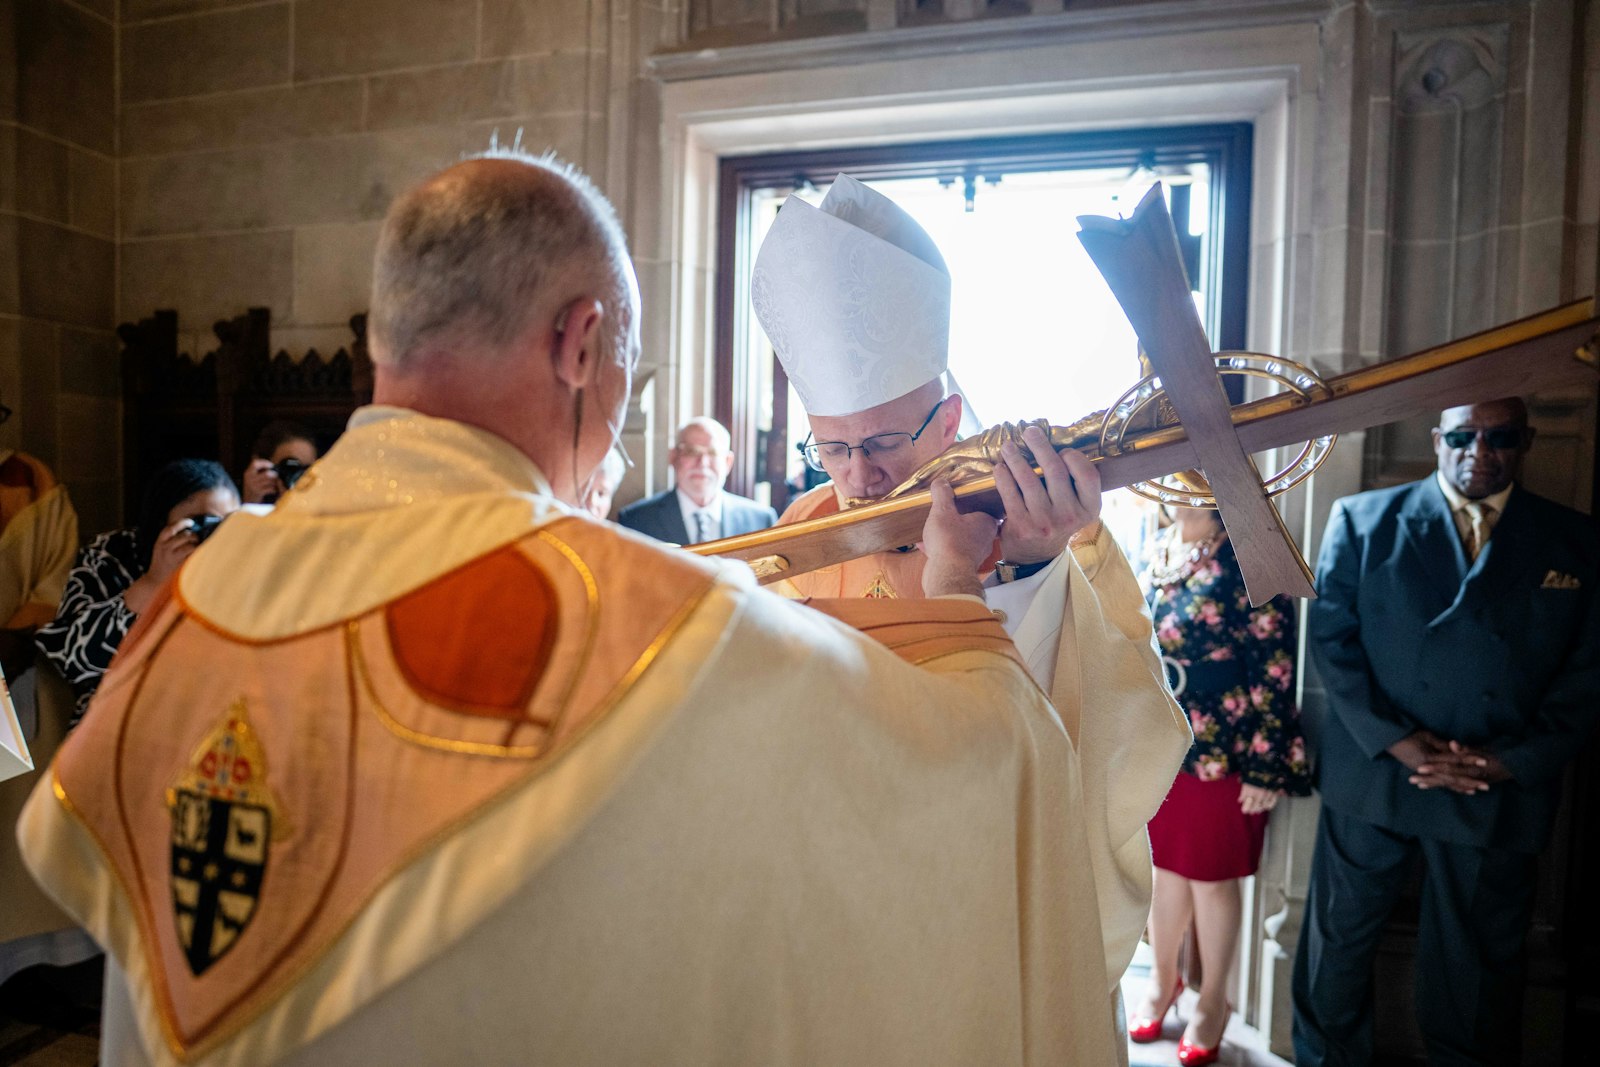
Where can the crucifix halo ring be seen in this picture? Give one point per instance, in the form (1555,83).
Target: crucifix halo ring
(1290,375)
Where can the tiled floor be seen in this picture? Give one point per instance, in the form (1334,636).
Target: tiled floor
(1242,1046)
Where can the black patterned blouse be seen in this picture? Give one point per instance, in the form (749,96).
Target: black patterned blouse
(1235,666)
(93,618)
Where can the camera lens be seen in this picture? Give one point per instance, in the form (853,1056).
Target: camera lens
(289,472)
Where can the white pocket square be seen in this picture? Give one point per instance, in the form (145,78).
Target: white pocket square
(1560,580)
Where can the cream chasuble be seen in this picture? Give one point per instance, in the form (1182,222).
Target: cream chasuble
(423,768)
(1082,629)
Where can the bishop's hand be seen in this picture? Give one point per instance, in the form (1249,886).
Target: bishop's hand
(956,545)
(1042,514)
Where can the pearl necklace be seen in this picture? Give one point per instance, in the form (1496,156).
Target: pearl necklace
(1166,570)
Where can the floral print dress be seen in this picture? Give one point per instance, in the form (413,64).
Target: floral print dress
(1232,669)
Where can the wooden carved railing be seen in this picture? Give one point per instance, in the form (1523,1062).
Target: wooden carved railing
(213,407)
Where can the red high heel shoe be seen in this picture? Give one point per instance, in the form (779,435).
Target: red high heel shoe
(1193,1055)
(1142,1031)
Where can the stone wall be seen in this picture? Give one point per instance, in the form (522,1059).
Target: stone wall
(58,368)
(261,143)
(1424,168)
(211,155)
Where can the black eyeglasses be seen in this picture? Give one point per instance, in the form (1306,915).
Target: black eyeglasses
(1495,437)
(821,455)
(5,413)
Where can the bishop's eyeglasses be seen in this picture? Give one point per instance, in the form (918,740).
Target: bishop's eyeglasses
(821,455)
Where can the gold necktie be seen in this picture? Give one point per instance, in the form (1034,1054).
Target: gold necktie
(1481,516)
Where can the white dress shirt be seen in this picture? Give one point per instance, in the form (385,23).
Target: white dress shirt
(691,525)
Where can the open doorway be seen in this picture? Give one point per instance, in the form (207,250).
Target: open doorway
(1035,332)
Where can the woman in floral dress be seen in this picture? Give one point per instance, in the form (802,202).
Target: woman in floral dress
(1232,669)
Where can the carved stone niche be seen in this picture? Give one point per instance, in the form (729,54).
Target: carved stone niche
(1449,129)
(1444,225)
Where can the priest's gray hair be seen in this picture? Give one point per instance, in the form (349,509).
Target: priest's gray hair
(466,261)
(720,437)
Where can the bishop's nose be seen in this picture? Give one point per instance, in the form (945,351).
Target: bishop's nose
(864,477)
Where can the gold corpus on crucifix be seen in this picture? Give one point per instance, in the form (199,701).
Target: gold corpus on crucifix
(1105,433)
(1199,431)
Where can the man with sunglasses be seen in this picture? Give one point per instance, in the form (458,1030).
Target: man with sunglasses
(855,296)
(1458,640)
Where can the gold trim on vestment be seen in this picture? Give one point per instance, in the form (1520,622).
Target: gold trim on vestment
(1027,674)
(358,664)
(189,611)
(254,1003)
(591,591)
(480,811)
(143,926)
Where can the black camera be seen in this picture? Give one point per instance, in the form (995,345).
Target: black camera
(289,471)
(204,526)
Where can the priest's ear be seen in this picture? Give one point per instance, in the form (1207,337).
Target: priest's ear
(578,346)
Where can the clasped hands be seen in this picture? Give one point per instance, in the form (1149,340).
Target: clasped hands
(1042,514)
(1436,763)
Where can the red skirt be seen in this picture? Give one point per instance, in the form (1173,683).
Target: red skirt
(1200,833)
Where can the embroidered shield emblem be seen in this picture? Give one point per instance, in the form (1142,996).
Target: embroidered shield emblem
(224,818)
(879,589)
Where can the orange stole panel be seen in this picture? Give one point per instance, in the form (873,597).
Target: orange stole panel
(921,630)
(351,795)
(881,575)
(478,639)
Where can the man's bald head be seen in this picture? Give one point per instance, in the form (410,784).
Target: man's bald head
(471,259)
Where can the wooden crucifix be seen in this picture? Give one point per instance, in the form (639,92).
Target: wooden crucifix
(1140,260)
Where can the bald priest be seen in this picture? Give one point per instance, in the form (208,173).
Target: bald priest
(855,297)
(429,766)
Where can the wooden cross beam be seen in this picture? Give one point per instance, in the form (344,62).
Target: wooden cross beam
(1555,349)
(1141,262)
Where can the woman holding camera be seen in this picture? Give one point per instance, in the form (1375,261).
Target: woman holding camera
(282,452)
(118,573)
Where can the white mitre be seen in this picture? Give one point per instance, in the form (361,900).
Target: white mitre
(855,298)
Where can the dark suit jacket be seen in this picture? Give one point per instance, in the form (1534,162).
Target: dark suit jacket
(660,517)
(1504,654)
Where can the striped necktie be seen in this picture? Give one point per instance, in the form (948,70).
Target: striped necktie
(707,527)
(1481,516)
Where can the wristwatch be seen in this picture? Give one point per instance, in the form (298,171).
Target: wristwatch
(1015,572)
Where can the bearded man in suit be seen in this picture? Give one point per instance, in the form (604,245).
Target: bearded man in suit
(697,508)
(1458,637)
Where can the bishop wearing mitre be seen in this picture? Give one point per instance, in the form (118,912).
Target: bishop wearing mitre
(855,298)
(430,766)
